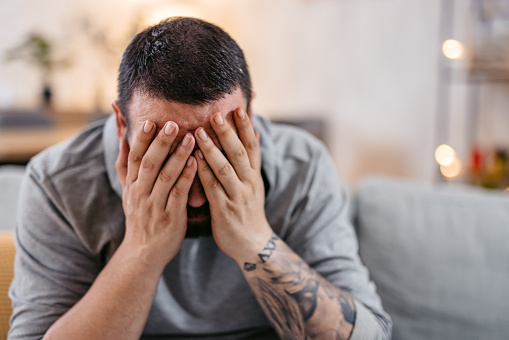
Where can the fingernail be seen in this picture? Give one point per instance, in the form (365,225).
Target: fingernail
(169,128)
(190,161)
(200,154)
(186,140)
(218,119)
(147,127)
(202,134)
(241,113)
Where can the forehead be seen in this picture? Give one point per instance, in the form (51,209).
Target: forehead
(189,117)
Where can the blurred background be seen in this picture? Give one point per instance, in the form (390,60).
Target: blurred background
(414,89)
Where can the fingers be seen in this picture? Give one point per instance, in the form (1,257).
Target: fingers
(220,166)
(231,145)
(177,199)
(153,159)
(141,143)
(170,172)
(211,185)
(248,137)
(121,163)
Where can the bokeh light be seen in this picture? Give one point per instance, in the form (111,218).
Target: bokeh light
(445,155)
(452,170)
(453,49)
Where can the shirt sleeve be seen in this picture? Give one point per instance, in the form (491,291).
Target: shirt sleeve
(53,269)
(321,232)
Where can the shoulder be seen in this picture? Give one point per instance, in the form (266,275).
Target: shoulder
(287,142)
(300,176)
(64,184)
(69,171)
(83,152)
(291,155)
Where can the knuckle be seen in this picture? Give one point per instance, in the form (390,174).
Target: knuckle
(209,147)
(252,145)
(213,183)
(165,176)
(147,164)
(205,167)
(225,170)
(239,154)
(180,154)
(225,131)
(178,192)
(161,141)
(134,157)
(187,175)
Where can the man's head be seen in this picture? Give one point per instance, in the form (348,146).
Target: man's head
(183,70)
(184,60)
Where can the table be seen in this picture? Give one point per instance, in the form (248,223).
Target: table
(18,145)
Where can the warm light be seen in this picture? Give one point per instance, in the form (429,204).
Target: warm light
(507,189)
(452,170)
(453,49)
(445,155)
(164,12)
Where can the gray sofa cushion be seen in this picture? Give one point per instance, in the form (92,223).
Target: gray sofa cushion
(439,257)
(10,181)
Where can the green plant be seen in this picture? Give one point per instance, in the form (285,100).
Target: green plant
(37,50)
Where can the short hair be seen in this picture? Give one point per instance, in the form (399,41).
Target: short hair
(181,59)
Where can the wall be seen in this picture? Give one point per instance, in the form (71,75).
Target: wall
(368,68)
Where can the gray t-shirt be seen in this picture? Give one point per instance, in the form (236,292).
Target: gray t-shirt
(70,222)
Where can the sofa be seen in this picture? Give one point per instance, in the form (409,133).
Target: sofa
(439,255)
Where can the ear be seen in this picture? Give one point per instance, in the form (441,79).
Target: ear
(250,110)
(121,121)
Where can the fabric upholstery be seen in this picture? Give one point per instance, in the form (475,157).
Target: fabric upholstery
(439,257)
(7,251)
(10,182)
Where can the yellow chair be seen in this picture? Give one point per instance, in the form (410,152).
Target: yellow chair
(7,251)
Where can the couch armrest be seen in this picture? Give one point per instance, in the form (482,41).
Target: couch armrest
(7,251)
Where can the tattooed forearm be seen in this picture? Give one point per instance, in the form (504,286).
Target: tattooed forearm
(269,248)
(299,303)
(306,298)
(281,311)
(267,251)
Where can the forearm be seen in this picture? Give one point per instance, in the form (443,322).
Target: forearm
(117,304)
(299,302)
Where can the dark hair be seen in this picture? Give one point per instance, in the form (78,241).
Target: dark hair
(186,60)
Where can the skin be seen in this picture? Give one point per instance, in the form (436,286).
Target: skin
(220,164)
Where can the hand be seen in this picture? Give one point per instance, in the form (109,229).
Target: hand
(155,195)
(234,186)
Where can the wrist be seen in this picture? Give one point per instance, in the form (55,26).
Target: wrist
(254,246)
(141,259)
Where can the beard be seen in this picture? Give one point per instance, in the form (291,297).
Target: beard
(198,221)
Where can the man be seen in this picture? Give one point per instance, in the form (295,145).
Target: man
(191,223)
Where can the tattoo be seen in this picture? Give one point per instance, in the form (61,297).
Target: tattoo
(344,302)
(307,298)
(248,267)
(347,308)
(269,248)
(281,312)
(299,303)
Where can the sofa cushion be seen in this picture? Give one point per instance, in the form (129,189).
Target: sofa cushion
(439,257)
(10,182)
